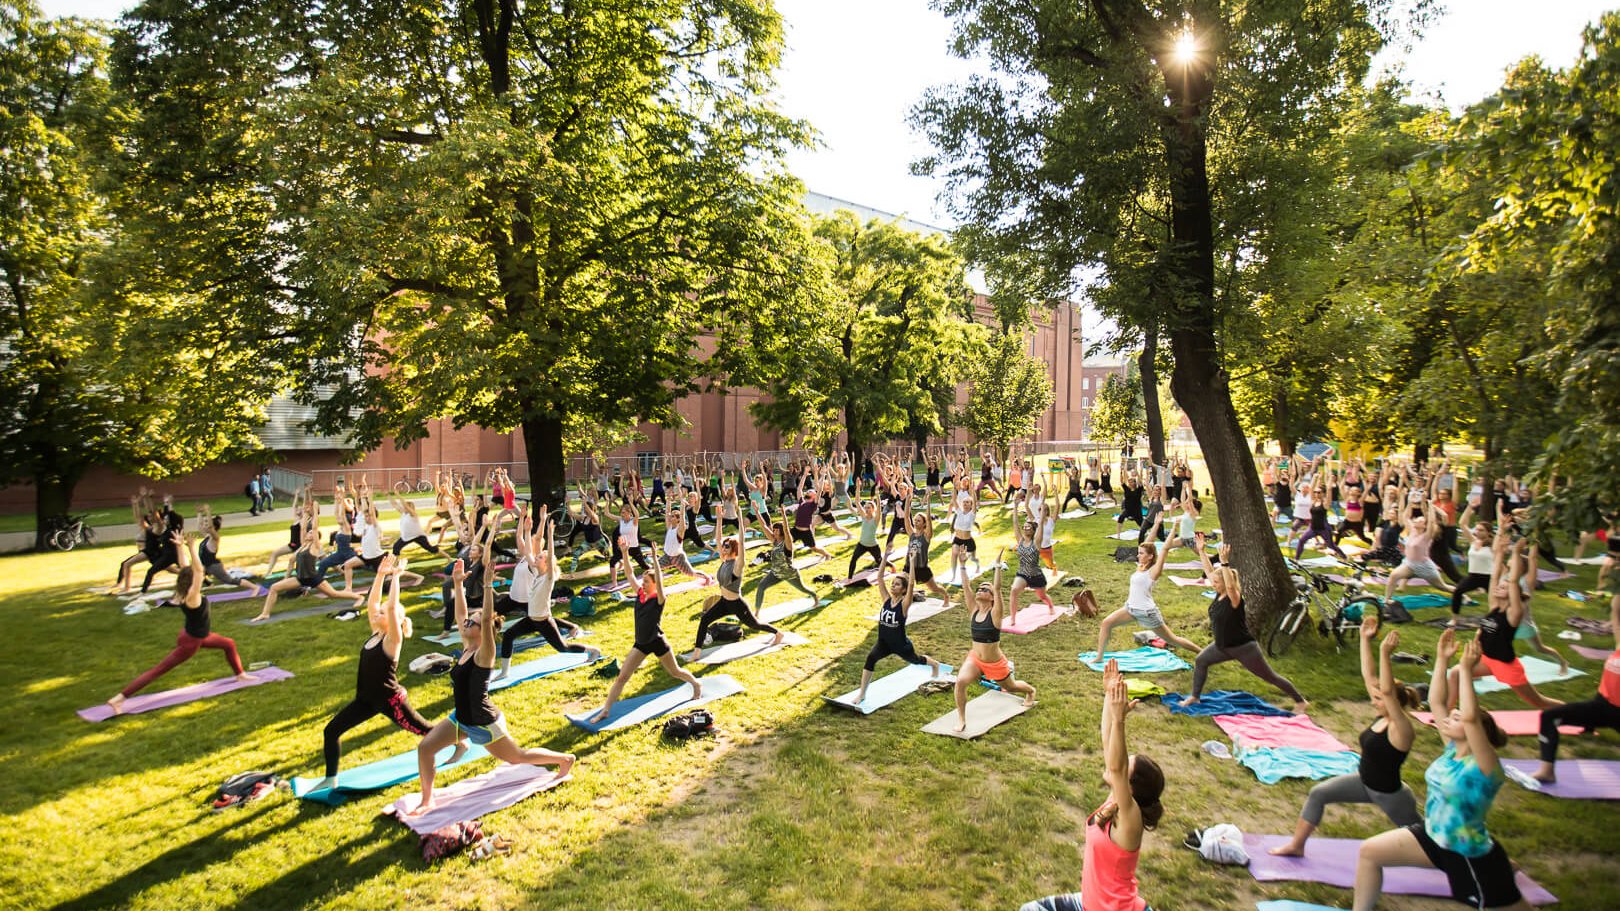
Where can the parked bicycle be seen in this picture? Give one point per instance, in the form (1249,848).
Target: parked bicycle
(1340,620)
(68,532)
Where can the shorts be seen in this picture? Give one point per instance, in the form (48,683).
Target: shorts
(995,671)
(727,523)
(371,563)
(803,536)
(968,542)
(1425,570)
(923,573)
(485,734)
(1527,630)
(827,517)
(310,583)
(657,648)
(1148,617)
(1478,882)
(1191,543)
(1508,672)
(1038,580)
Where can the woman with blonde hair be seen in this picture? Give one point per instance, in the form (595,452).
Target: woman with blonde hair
(1233,641)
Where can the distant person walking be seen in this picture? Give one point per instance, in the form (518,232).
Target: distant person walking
(253,495)
(267,492)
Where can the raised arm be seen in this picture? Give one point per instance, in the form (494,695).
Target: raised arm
(1153,539)
(1369,669)
(1444,649)
(1479,743)
(996,608)
(1400,724)
(1127,831)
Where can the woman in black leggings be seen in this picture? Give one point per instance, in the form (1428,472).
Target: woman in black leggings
(1233,641)
(1481,565)
(729,602)
(1601,711)
(377,690)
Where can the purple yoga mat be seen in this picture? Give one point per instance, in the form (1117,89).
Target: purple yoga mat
(240,594)
(475,797)
(1333,861)
(135,705)
(1578,779)
(1596,654)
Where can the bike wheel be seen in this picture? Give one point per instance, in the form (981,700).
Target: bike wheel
(62,540)
(1286,628)
(424,486)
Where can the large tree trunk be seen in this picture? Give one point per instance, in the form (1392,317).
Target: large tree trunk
(1199,380)
(53,499)
(543,440)
(1147,367)
(1279,422)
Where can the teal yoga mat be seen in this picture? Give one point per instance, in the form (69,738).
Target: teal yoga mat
(1144,660)
(374,776)
(1539,670)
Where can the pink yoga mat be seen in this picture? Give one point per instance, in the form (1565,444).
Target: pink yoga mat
(1031,619)
(477,796)
(1578,779)
(1185,582)
(240,594)
(1185,564)
(1297,731)
(1550,575)
(1596,654)
(1333,861)
(1515,723)
(135,705)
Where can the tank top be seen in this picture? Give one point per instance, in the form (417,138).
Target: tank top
(891,623)
(1417,547)
(1141,590)
(370,541)
(1227,623)
(1380,761)
(540,587)
(727,575)
(649,618)
(1108,878)
(1496,636)
(916,551)
(1609,683)
(672,542)
(410,527)
(984,629)
(1048,532)
(1029,561)
(196,619)
(522,581)
(376,679)
(963,522)
(206,554)
(1460,795)
(470,684)
(1189,524)
(868,532)
(307,569)
(1481,560)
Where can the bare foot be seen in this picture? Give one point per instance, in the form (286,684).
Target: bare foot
(599,716)
(456,754)
(692,655)
(593,654)
(859,698)
(422,808)
(1545,774)
(245,677)
(697,690)
(260,618)
(116,703)
(1193,701)
(961,727)
(1301,707)
(1288,850)
(325,784)
(777,639)
(567,764)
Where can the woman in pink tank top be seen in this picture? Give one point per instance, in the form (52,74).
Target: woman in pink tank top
(1114,831)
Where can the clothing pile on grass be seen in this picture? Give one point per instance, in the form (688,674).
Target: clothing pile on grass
(1270,742)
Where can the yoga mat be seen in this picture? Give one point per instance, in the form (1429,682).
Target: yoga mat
(555,663)
(1144,660)
(478,796)
(238,595)
(1420,602)
(1333,861)
(1587,561)
(147,702)
(890,688)
(950,578)
(604,589)
(983,713)
(747,648)
(1596,654)
(591,572)
(627,712)
(690,585)
(1318,562)
(1185,564)
(1185,582)
(1032,618)
(921,610)
(1538,670)
(1551,575)
(776,613)
(1288,904)
(1578,779)
(807,562)
(869,576)
(452,637)
(1124,535)
(374,776)
(1588,625)
(1295,731)
(1272,764)
(1514,723)
(320,610)
(1223,702)
(1076,514)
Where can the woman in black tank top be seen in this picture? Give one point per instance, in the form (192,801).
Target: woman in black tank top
(1384,747)
(649,637)
(1498,629)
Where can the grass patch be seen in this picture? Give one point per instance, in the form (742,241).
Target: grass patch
(793,805)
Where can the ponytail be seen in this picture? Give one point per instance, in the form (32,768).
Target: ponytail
(1147,784)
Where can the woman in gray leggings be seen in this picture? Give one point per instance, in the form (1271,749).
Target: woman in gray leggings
(1384,746)
(1233,641)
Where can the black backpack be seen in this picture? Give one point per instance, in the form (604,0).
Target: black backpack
(691,724)
(1125,554)
(725,632)
(243,787)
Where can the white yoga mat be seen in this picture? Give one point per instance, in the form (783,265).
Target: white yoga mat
(776,613)
(747,648)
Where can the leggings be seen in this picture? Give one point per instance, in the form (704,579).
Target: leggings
(157,567)
(1594,713)
(1347,526)
(1075,496)
(1545,549)
(864,549)
(420,541)
(1400,807)
(1327,538)
(770,579)
(185,646)
(615,556)
(546,627)
(397,708)
(1253,660)
(216,570)
(1474,581)
(1442,558)
(896,527)
(730,607)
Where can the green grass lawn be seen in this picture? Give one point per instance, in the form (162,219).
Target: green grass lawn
(792,805)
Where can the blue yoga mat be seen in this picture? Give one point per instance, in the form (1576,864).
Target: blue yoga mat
(627,712)
(1273,764)
(1537,670)
(1222,702)
(554,663)
(890,688)
(374,776)
(1144,660)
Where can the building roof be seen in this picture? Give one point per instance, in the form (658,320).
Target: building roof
(823,204)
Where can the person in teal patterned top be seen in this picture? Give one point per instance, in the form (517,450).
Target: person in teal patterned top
(1463,784)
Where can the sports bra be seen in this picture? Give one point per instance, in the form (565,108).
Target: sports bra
(984,628)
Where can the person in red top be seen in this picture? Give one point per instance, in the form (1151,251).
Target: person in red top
(1114,831)
(1601,711)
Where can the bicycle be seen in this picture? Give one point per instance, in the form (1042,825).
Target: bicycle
(69,532)
(1340,620)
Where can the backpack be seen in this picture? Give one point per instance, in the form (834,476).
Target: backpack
(242,788)
(451,839)
(581,606)
(248,491)
(1395,612)
(1125,555)
(691,724)
(725,632)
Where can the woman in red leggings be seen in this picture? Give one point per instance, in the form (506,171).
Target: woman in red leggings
(195,634)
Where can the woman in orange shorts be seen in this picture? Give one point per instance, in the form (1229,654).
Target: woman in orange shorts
(1498,628)
(986,659)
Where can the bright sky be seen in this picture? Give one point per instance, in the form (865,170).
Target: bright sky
(854,69)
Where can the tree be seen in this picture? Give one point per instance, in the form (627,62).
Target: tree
(1117,414)
(895,333)
(99,365)
(546,216)
(1124,135)
(1009,391)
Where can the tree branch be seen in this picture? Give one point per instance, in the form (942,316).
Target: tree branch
(409,137)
